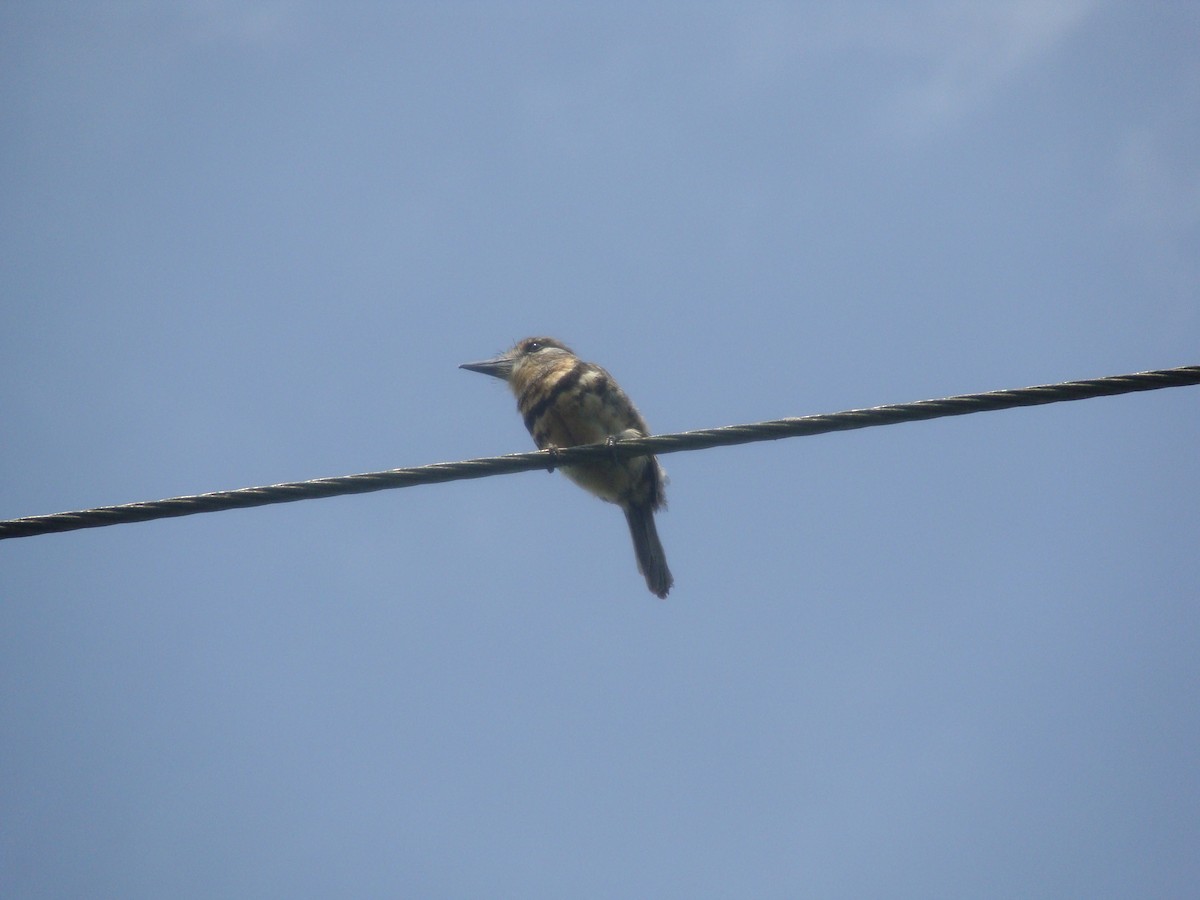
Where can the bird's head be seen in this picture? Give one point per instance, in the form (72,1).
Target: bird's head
(533,351)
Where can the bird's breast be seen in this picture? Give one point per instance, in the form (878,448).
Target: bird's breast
(569,402)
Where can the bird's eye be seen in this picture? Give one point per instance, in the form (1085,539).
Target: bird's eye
(533,346)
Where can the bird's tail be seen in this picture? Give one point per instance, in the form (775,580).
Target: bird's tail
(651,559)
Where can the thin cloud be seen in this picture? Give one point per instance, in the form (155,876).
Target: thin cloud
(254,23)
(969,51)
(944,57)
(1158,204)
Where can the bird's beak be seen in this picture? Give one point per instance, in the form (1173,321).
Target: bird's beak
(501,367)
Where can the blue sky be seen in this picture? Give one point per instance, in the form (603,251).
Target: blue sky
(250,242)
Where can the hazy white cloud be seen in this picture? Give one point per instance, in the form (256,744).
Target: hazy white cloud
(968,51)
(253,23)
(945,56)
(1159,191)
(1158,201)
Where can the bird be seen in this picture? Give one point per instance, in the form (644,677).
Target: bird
(566,402)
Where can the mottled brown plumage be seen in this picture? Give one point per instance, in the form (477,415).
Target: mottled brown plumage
(566,402)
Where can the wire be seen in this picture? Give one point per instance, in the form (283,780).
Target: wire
(775,429)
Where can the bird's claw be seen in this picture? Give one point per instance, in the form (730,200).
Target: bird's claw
(626,435)
(611,441)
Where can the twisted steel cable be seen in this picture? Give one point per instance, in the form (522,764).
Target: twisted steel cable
(436,473)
